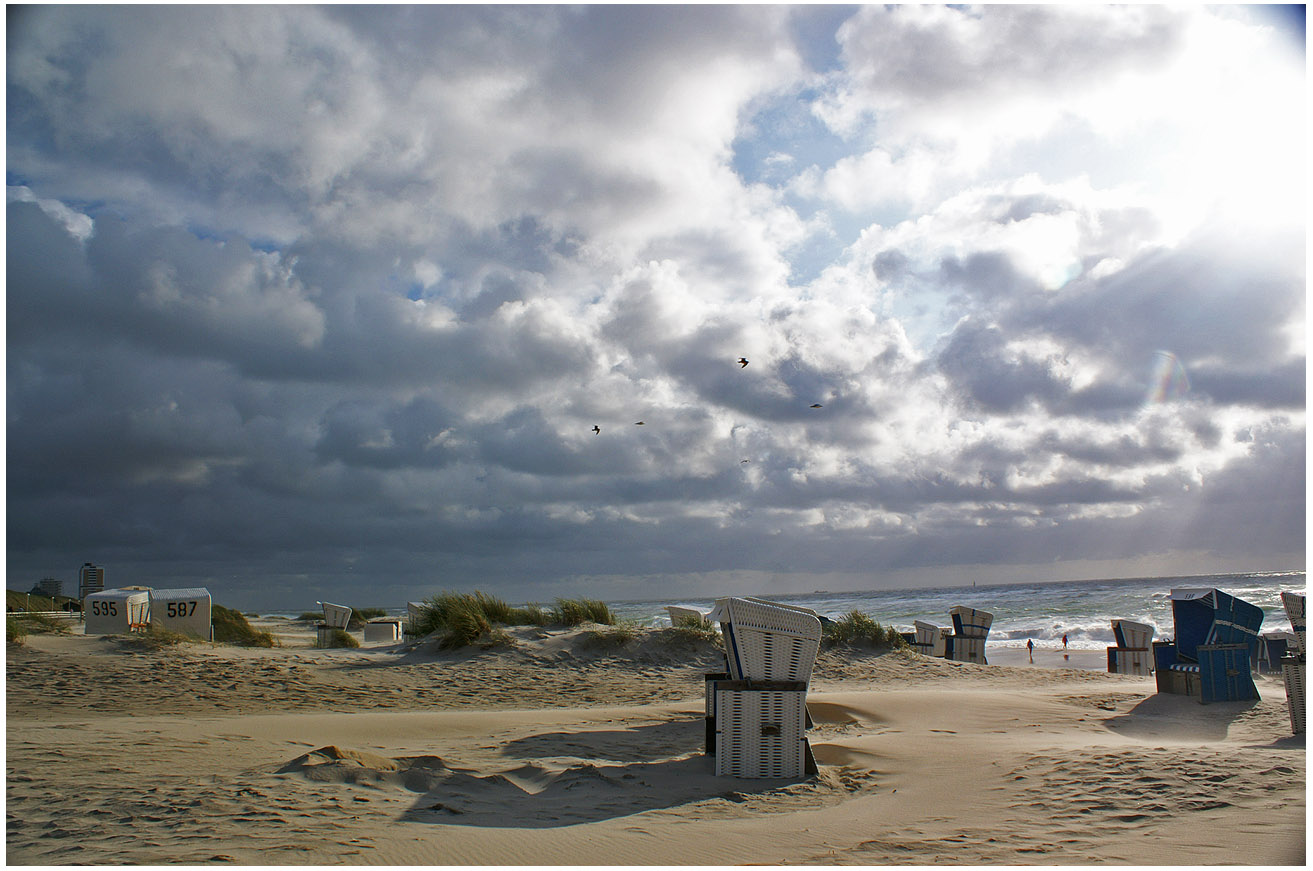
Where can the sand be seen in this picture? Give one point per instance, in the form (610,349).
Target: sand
(557,753)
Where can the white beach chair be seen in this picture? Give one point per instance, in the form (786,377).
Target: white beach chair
(1133,653)
(679,612)
(1293,666)
(930,639)
(759,708)
(414,612)
(970,629)
(335,617)
(1294,604)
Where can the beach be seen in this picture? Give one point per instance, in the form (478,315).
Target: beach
(557,751)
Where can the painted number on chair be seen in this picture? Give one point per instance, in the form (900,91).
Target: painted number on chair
(180,609)
(105,609)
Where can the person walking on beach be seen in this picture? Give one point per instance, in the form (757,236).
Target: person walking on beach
(1064,642)
(1030,648)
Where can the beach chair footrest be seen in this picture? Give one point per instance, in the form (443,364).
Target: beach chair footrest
(760,731)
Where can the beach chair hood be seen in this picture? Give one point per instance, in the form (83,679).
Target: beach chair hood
(1210,616)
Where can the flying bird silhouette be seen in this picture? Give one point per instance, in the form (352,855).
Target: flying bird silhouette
(638,423)
(817,405)
(743,362)
(596,429)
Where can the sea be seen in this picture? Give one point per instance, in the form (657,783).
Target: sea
(1043,612)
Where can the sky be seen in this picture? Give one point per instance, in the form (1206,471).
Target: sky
(368,303)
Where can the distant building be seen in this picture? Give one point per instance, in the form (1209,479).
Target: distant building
(49,587)
(91,579)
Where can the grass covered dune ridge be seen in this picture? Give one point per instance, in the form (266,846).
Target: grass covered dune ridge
(478,619)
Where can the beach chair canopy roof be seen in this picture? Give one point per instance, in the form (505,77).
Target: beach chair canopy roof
(188,593)
(969,621)
(1210,616)
(337,616)
(121,595)
(768,641)
(1294,604)
(1131,634)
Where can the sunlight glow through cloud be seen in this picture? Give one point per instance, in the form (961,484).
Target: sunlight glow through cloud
(344,292)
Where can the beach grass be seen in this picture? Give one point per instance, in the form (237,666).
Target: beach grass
(472,619)
(39,624)
(361,616)
(231,627)
(342,638)
(573,612)
(156,637)
(610,637)
(857,629)
(695,629)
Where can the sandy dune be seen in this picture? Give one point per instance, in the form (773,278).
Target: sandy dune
(554,753)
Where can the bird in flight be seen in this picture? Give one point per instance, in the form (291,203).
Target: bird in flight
(743,362)
(817,405)
(638,423)
(596,429)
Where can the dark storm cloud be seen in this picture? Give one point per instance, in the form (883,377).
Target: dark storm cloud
(309,299)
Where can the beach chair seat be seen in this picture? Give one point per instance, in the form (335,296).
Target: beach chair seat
(1292,674)
(760,730)
(1216,641)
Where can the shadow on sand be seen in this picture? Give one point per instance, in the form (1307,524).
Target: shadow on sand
(1169,717)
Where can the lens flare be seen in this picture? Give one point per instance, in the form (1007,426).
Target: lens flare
(1168,380)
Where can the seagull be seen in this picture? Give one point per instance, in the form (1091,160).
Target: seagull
(596,429)
(743,362)
(744,461)
(638,423)
(817,405)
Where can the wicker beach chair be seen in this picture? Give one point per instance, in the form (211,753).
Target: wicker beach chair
(335,617)
(1293,666)
(1132,655)
(1216,640)
(757,715)
(1294,604)
(679,612)
(931,640)
(970,629)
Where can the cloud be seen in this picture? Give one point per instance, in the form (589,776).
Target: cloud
(342,294)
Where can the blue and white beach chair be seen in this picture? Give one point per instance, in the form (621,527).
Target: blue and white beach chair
(1216,638)
(931,640)
(970,629)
